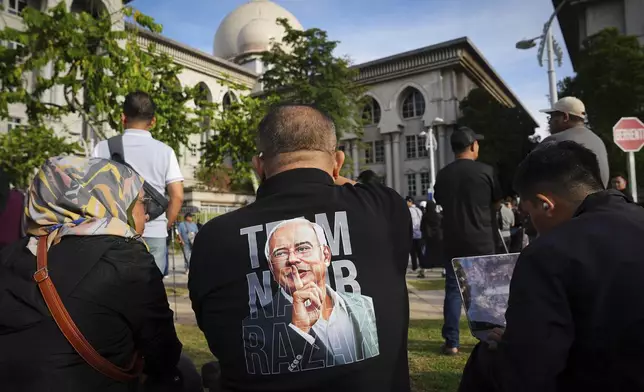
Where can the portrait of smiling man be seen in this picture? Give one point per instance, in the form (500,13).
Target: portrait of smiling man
(320,323)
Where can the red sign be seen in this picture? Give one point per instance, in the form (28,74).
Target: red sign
(628,134)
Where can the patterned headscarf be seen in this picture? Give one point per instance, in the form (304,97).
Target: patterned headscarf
(81,197)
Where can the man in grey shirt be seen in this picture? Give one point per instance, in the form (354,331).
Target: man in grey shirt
(567,123)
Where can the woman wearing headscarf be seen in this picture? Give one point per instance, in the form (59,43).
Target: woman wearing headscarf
(11,206)
(86,216)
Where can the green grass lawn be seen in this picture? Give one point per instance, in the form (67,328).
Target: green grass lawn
(430,371)
(427,284)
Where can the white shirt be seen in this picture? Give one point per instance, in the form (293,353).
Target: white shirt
(336,333)
(155,161)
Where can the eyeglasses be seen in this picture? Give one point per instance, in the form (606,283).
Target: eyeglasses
(301,252)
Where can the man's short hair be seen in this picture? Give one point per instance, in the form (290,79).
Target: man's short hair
(319,233)
(139,106)
(566,169)
(293,128)
(368,177)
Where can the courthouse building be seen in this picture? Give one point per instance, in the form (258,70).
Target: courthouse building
(409,93)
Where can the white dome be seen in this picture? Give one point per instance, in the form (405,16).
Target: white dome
(250,27)
(255,36)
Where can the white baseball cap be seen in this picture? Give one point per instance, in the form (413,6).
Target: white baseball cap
(571,105)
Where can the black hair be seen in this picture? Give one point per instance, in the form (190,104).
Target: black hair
(368,177)
(566,169)
(459,149)
(295,127)
(139,106)
(619,175)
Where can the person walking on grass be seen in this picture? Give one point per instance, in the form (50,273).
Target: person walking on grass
(187,232)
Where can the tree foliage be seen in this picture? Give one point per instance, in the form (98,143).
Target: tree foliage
(229,152)
(301,70)
(304,70)
(610,81)
(75,65)
(21,152)
(506,132)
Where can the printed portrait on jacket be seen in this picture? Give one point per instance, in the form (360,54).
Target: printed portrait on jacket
(307,324)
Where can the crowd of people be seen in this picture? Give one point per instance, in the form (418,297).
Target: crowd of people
(305,289)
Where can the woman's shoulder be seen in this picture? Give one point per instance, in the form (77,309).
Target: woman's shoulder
(125,259)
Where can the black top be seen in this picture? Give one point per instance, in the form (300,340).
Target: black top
(250,321)
(113,291)
(575,320)
(467,190)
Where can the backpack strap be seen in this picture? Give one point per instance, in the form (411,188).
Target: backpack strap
(115,145)
(73,335)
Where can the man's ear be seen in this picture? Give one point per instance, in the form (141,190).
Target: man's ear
(546,203)
(326,251)
(258,165)
(153,122)
(123,119)
(339,161)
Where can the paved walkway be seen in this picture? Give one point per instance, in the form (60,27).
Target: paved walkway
(422,304)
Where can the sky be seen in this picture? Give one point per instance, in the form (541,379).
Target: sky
(372,29)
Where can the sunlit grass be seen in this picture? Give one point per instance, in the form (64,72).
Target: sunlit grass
(430,371)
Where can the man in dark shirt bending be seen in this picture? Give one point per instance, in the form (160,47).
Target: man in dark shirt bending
(304,289)
(575,312)
(467,191)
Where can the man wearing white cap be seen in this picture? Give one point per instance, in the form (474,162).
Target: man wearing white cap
(566,122)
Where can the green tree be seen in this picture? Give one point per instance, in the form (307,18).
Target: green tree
(506,132)
(610,82)
(21,152)
(93,62)
(304,70)
(227,155)
(301,70)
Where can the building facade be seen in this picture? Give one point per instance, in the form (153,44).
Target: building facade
(410,93)
(581,19)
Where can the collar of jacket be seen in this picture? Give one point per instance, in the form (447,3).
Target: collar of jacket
(601,198)
(291,178)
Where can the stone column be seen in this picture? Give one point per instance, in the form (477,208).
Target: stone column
(355,156)
(443,143)
(396,161)
(389,161)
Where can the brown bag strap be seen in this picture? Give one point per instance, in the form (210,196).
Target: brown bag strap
(71,331)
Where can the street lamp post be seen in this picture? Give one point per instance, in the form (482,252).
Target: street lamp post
(431,145)
(552,50)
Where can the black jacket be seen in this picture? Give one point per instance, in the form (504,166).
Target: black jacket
(433,237)
(115,295)
(575,320)
(368,230)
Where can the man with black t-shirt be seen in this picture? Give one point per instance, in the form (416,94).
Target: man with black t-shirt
(304,289)
(467,191)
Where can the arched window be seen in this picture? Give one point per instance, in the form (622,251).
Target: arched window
(228,100)
(92,7)
(204,96)
(371,112)
(413,103)
(15,7)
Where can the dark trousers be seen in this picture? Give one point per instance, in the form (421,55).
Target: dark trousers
(185,379)
(416,253)
(479,373)
(451,307)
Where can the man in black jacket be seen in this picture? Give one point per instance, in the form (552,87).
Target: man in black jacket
(576,311)
(304,289)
